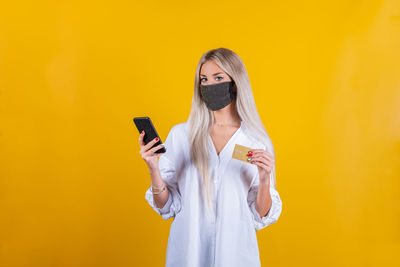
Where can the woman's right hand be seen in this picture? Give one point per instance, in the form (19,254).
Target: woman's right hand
(148,154)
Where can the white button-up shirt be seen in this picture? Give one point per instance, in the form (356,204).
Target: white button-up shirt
(228,237)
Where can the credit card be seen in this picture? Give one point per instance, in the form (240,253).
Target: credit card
(240,153)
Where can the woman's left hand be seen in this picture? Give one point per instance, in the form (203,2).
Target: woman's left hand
(264,161)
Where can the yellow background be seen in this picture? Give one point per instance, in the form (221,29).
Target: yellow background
(73,74)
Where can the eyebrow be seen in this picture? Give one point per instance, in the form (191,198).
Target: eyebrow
(213,74)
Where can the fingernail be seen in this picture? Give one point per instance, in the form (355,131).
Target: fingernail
(142,132)
(156,138)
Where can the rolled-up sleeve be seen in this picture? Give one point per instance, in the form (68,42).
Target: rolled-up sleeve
(168,174)
(276,207)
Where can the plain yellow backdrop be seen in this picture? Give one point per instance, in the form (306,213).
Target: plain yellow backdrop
(73,74)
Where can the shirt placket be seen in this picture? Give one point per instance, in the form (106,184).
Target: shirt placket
(215,180)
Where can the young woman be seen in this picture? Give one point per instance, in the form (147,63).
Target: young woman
(218,202)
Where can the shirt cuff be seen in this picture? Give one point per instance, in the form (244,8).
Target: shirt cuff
(169,208)
(271,217)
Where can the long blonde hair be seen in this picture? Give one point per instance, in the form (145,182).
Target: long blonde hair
(201,118)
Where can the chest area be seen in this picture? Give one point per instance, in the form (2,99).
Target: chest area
(230,171)
(220,137)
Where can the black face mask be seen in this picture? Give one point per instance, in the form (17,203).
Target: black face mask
(217,95)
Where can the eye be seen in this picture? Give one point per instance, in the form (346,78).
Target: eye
(201,79)
(219,77)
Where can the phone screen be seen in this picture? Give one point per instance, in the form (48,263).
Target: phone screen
(145,124)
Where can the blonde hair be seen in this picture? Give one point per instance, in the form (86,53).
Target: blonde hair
(201,118)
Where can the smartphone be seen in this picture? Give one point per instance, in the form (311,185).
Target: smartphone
(145,124)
